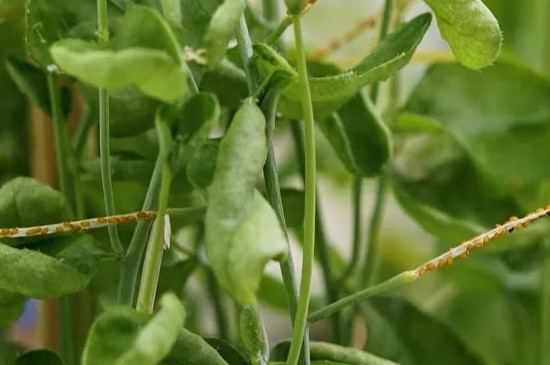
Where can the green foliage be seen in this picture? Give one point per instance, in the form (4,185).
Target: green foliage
(242,231)
(31,81)
(192,349)
(322,351)
(122,336)
(253,335)
(38,357)
(63,266)
(495,123)
(126,104)
(467,150)
(144,42)
(471,30)
(222,27)
(49,21)
(329,93)
(11,306)
(295,6)
(359,137)
(410,325)
(20,198)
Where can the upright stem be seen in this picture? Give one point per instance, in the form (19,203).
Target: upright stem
(67,185)
(153,256)
(104,149)
(269,108)
(273,190)
(131,262)
(322,248)
(310,189)
(357,193)
(543,8)
(545,306)
(246,52)
(220,311)
(371,253)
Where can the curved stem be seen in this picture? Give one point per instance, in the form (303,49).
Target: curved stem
(545,306)
(153,256)
(374,227)
(68,186)
(246,52)
(371,253)
(300,323)
(104,149)
(391,284)
(131,262)
(322,247)
(357,194)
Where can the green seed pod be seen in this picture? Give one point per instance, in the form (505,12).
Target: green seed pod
(253,336)
(295,7)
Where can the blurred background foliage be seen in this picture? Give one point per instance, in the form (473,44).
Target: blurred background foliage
(470,149)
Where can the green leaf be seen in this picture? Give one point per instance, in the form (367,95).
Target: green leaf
(503,130)
(222,26)
(143,43)
(359,137)
(471,30)
(427,169)
(11,306)
(242,231)
(31,81)
(228,82)
(122,336)
(329,93)
(196,20)
(323,351)
(192,349)
(253,335)
(293,206)
(272,293)
(227,351)
(48,21)
(25,202)
(130,111)
(39,357)
(65,265)
(202,164)
(413,327)
(200,114)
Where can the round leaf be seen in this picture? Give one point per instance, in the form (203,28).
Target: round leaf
(471,30)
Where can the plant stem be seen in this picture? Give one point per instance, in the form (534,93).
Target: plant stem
(322,252)
(66,164)
(371,254)
(391,284)
(219,306)
(246,52)
(273,190)
(68,186)
(131,262)
(67,328)
(357,194)
(269,109)
(545,306)
(153,256)
(300,323)
(104,135)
